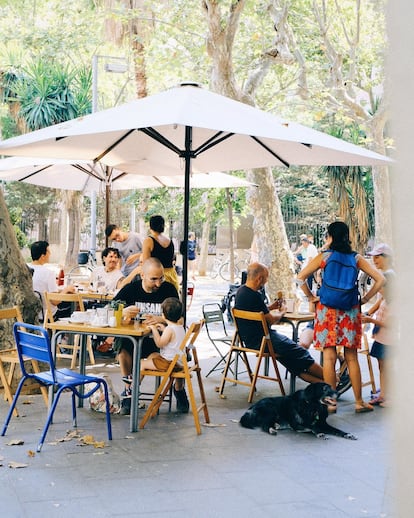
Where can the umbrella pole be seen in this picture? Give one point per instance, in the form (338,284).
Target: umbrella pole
(187,157)
(107,195)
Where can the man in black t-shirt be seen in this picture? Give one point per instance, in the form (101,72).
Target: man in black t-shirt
(145,296)
(294,357)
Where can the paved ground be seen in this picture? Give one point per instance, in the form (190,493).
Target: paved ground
(167,470)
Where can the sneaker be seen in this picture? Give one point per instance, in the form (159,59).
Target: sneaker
(127,379)
(125,402)
(183,405)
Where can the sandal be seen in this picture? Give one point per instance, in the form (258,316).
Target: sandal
(366,407)
(376,400)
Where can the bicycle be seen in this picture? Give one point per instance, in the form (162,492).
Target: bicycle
(82,271)
(221,266)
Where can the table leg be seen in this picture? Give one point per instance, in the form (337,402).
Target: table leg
(82,364)
(136,374)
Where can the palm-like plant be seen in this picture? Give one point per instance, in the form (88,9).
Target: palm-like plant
(348,192)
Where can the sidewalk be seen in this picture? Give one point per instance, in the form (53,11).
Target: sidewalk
(167,470)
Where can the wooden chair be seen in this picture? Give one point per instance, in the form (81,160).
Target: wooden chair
(10,356)
(265,352)
(188,369)
(365,352)
(77,300)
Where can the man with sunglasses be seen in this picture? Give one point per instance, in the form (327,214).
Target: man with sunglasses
(145,296)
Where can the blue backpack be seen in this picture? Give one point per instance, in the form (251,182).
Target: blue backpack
(339,288)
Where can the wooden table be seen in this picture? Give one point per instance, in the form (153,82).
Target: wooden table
(295,320)
(134,332)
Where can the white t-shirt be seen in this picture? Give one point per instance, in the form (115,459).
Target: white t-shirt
(107,279)
(172,348)
(44,279)
(309,253)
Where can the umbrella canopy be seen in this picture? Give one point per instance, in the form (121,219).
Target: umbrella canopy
(188,129)
(85,176)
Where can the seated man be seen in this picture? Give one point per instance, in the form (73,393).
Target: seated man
(145,296)
(109,275)
(44,279)
(248,298)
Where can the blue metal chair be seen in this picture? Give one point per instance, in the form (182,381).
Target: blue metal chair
(32,342)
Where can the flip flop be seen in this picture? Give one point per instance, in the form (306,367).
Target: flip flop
(363,409)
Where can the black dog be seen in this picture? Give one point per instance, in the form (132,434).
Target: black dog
(304,411)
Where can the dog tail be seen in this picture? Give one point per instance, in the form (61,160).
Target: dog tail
(248,420)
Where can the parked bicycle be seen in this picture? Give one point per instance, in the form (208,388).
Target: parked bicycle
(221,266)
(82,271)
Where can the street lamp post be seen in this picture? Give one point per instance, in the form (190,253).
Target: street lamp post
(116,65)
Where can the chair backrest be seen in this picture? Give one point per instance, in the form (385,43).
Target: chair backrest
(253,316)
(57,297)
(8,313)
(191,335)
(33,343)
(12,314)
(214,321)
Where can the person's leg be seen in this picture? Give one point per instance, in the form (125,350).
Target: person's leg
(329,362)
(306,337)
(351,357)
(314,374)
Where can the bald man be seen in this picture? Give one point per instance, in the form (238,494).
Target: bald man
(248,298)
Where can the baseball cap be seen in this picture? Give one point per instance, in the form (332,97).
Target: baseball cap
(381,249)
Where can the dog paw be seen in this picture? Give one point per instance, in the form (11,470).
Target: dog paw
(351,436)
(272,431)
(322,436)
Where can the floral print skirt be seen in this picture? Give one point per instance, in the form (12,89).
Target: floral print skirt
(337,327)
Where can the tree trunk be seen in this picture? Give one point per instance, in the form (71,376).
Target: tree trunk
(16,286)
(203,258)
(271,240)
(73,203)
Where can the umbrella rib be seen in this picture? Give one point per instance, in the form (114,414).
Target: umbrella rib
(211,142)
(270,151)
(112,146)
(34,173)
(154,134)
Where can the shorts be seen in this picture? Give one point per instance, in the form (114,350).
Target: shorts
(295,358)
(162,363)
(379,351)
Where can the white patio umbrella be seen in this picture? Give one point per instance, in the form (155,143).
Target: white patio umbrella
(86,176)
(188,129)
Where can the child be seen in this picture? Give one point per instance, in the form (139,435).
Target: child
(170,340)
(382,337)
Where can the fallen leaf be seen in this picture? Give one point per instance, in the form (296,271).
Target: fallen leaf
(15,442)
(70,434)
(212,425)
(99,444)
(15,465)
(87,439)
(234,420)
(27,402)
(31,453)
